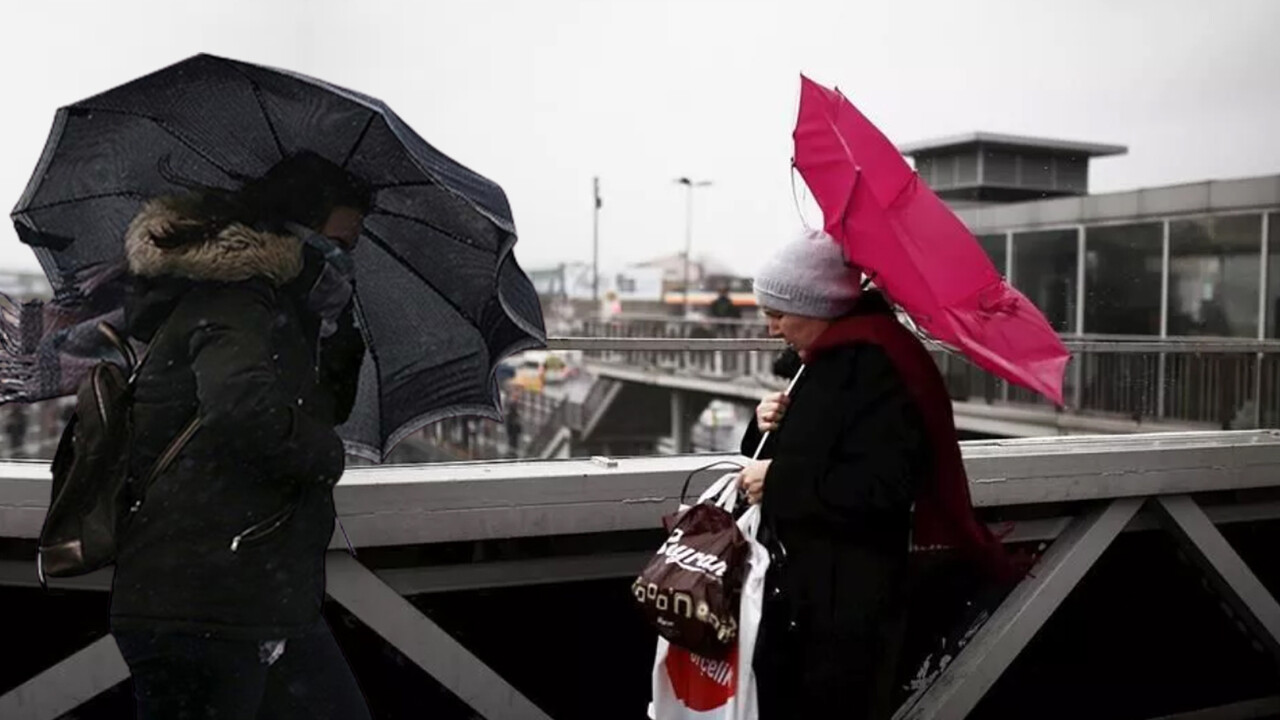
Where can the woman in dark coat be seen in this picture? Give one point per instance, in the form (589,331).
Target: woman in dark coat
(838,481)
(220,575)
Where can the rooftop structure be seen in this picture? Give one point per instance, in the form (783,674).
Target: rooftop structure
(991,168)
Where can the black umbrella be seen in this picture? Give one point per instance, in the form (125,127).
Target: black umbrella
(440,297)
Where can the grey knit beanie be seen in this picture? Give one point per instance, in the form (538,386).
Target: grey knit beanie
(808,276)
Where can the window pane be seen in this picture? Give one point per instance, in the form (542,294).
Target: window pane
(1273,275)
(944,171)
(967,168)
(1044,269)
(995,248)
(1037,171)
(1213,276)
(1122,279)
(1072,174)
(924,166)
(1000,168)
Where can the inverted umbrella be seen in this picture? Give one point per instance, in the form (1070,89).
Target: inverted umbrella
(440,298)
(894,227)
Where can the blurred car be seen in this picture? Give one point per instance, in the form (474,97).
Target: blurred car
(538,368)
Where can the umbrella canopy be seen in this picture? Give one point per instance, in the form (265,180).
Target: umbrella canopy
(440,297)
(894,227)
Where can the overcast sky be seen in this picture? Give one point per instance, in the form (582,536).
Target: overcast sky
(541,95)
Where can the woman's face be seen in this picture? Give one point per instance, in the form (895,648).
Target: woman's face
(800,331)
(343,226)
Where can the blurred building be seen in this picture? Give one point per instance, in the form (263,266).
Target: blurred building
(574,282)
(651,287)
(1200,259)
(23,285)
(29,430)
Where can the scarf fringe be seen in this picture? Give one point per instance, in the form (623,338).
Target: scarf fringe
(48,347)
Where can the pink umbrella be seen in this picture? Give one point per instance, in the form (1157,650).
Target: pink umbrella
(894,227)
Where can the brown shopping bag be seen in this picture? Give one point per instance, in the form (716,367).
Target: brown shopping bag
(689,589)
(687,686)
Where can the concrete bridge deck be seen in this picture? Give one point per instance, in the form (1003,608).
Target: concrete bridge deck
(1075,495)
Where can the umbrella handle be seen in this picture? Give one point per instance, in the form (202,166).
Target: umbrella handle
(765,438)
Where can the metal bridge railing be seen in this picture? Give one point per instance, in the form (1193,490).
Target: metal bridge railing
(1203,381)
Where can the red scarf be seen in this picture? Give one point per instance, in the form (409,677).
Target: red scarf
(944,516)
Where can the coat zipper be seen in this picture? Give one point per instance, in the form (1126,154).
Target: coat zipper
(262,529)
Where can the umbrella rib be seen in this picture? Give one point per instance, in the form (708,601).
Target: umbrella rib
(356,145)
(407,183)
(915,178)
(84,198)
(367,332)
(262,108)
(176,135)
(452,236)
(386,247)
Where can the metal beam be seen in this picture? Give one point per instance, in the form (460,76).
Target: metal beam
(512,573)
(415,635)
(1228,572)
(67,685)
(958,689)
(1248,710)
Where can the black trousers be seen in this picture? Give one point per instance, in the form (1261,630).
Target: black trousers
(186,675)
(804,671)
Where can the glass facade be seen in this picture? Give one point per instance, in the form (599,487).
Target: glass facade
(1273,275)
(1122,279)
(1044,269)
(1214,271)
(1214,283)
(995,247)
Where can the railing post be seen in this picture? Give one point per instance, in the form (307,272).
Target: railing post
(1161,375)
(1162,383)
(1077,381)
(679,430)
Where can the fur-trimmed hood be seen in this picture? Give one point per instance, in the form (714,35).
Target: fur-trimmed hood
(236,253)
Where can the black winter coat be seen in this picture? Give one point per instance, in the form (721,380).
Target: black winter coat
(847,459)
(236,346)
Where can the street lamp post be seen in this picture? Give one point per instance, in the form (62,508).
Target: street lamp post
(689,185)
(595,241)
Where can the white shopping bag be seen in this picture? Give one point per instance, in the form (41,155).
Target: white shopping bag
(689,687)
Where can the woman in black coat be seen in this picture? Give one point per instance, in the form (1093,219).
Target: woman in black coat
(246,297)
(845,456)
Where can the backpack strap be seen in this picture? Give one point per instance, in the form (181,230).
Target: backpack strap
(120,345)
(146,351)
(133,360)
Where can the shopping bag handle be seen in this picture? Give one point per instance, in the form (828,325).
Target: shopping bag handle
(684,491)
